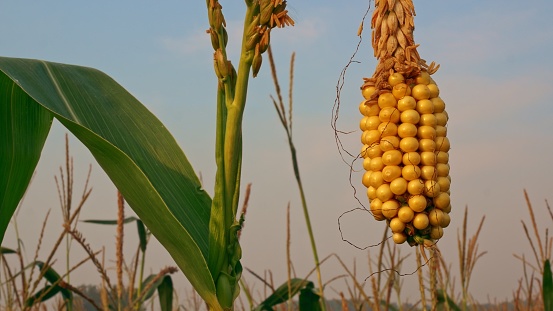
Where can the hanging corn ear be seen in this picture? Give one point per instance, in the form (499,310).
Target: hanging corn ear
(405,144)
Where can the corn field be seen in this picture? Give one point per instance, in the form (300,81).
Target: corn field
(135,198)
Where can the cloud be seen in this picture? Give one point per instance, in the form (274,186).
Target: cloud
(487,35)
(477,99)
(305,31)
(197,41)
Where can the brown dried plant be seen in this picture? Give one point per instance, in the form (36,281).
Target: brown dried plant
(468,251)
(528,294)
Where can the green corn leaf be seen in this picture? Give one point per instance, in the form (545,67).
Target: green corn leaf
(443,298)
(142,235)
(152,289)
(280,295)
(133,147)
(54,278)
(147,295)
(42,295)
(110,222)
(49,291)
(165,293)
(5,250)
(24,126)
(309,299)
(547,286)
(164,287)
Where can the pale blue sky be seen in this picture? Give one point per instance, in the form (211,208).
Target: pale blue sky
(494,77)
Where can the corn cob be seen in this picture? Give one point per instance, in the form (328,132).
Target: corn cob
(404,124)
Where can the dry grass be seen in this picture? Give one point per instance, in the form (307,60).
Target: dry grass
(529,293)
(22,283)
(381,290)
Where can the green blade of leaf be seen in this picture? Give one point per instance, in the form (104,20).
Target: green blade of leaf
(110,222)
(443,298)
(142,235)
(135,150)
(24,127)
(54,278)
(139,224)
(165,293)
(280,295)
(547,286)
(44,294)
(309,300)
(152,289)
(164,287)
(5,250)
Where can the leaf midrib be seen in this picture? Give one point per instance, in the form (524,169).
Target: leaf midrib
(60,93)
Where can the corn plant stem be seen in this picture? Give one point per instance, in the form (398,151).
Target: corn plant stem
(288,128)
(307,218)
(233,150)
(247,293)
(433,279)
(235,112)
(69,305)
(231,100)
(24,285)
(217,219)
(119,249)
(288,258)
(67,208)
(140,278)
(133,269)
(67,262)
(10,289)
(421,279)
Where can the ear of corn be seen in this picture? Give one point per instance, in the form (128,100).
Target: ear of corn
(404,124)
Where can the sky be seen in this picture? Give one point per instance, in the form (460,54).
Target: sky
(494,77)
